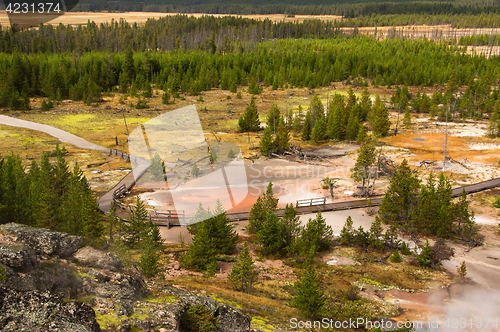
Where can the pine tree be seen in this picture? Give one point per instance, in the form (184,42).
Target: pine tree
(44,107)
(306,128)
(366,104)
(112,220)
(165,98)
(346,236)
(195,171)
(381,123)
(407,119)
(319,130)
(214,235)
(129,67)
(244,273)
(151,243)
(462,270)
(290,228)
(337,129)
(266,145)
(258,213)
(308,297)
(466,228)
(249,121)
(361,136)
(282,142)
(316,234)
(427,211)
(425,256)
(317,110)
(273,118)
(400,199)
(134,230)
(362,169)
(376,233)
(270,235)
(156,168)
(443,225)
(352,126)
(396,257)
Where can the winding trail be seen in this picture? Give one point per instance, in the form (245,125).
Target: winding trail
(65,137)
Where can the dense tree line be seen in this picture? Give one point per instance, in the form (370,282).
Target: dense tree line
(215,34)
(427,209)
(311,7)
(48,195)
(286,63)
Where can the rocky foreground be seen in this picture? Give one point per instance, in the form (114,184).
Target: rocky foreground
(52,284)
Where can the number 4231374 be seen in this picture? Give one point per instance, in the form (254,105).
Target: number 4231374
(40,8)
(477,323)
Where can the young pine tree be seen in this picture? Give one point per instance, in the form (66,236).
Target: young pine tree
(244,273)
(365,160)
(150,254)
(306,128)
(347,233)
(407,119)
(258,213)
(316,234)
(266,145)
(270,236)
(249,121)
(400,199)
(134,230)
(308,297)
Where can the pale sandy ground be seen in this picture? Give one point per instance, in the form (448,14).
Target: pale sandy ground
(75,18)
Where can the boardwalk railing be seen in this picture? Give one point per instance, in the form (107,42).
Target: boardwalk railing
(311,202)
(167,218)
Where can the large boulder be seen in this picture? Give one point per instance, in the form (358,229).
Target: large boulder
(95,258)
(18,257)
(231,319)
(44,241)
(47,277)
(35,311)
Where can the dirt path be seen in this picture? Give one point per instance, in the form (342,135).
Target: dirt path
(62,135)
(65,137)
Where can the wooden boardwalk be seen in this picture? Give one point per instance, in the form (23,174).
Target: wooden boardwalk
(128,181)
(375,201)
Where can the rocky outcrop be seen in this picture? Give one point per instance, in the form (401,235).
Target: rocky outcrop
(44,241)
(230,319)
(95,258)
(43,311)
(18,257)
(43,267)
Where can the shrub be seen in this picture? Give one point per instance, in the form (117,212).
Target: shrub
(197,318)
(396,257)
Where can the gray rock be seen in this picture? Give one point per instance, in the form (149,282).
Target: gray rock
(230,319)
(44,241)
(125,326)
(42,311)
(96,258)
(192,299)
(46,277)
(18,257)
(124,308)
